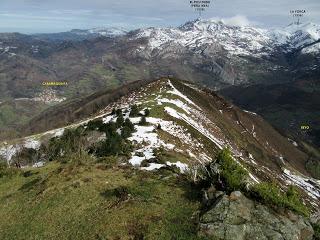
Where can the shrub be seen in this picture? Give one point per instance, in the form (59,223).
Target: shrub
(143,121)
(113,145)
(223,172)
(233,175)
(72,141)
(129,124)
(6,171)
(110,129)
(120,120)
(54,149)
(119,112)
(146,112)
(125,132)
(134,111)
(313,166)
(270,193)
(26,156)
(294,201)
(159,152)
(316,228)
(95,124)
(227,174)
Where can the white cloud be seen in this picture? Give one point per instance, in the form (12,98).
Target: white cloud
(238,20)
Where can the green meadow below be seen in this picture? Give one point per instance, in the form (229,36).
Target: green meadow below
(96,201)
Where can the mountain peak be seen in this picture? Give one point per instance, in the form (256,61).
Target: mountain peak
(203,24)
(297,36)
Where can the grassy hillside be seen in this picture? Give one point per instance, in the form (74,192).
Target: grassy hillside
(96,201)
(16,113)
(286,106)
(140,169)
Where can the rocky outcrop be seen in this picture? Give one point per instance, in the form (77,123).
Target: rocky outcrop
(236,217)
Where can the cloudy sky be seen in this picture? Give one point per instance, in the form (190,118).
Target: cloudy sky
(34,16)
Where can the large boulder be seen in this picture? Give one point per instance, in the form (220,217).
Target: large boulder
(236,217)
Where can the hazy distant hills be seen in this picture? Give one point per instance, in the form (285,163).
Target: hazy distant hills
(80,35)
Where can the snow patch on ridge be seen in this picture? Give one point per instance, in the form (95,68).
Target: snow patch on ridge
(178,103)
(31,143)
(182,166)
(253,113)
(8,151)
(311,186)
(145,135)
(178,93)
(153,166)
(172,112)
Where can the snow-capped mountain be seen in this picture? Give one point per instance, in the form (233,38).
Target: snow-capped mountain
(236,40)
(298,36)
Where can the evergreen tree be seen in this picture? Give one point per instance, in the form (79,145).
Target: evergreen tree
(113,145)
(110,129)
(143,121)
(120,120)
(94,124)
(129,124)
(146,112)
(118,112)
(134,111)
(126,132)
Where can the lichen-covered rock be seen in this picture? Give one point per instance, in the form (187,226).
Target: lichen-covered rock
(236,217)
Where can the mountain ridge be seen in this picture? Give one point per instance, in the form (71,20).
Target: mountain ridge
(156,146)
(199,118)
(296,36)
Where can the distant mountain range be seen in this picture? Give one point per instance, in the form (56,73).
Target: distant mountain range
(227,55)
(236,40)
(79,34)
